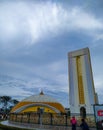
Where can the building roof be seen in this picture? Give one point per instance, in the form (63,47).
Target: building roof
(40,98)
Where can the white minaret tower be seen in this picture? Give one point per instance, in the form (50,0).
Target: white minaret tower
(81,86)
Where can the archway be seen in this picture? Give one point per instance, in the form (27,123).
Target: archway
(83,112)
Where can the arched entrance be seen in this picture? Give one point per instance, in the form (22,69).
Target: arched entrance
(83,112)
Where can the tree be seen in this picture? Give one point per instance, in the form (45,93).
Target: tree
(7,103)
(5,100)
(15,101)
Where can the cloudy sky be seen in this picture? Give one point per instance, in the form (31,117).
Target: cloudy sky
(35,38)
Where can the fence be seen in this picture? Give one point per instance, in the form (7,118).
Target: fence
(49,119)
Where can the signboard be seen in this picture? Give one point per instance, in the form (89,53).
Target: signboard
(98,112)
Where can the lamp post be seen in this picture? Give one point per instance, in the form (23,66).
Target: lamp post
(41,110)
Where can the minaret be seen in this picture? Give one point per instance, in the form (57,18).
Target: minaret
(81,86)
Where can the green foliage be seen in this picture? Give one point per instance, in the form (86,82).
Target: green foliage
(5,100)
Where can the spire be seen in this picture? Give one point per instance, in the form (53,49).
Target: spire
(41,93)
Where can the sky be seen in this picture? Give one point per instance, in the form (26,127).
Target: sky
(35,39)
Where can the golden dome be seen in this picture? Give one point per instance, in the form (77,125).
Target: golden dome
(35,102)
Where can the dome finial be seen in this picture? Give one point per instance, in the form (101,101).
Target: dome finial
(41,93)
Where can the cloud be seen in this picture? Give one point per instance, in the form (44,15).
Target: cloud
(20,89)
(98,83)
(35,38)
(35,21)
(99,37)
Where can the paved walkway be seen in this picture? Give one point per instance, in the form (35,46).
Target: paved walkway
(39,127)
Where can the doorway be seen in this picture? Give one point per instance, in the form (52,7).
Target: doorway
(83,112)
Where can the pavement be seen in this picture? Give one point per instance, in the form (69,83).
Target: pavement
(38,127)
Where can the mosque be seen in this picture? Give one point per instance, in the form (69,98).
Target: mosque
(82,95)
(39,103)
